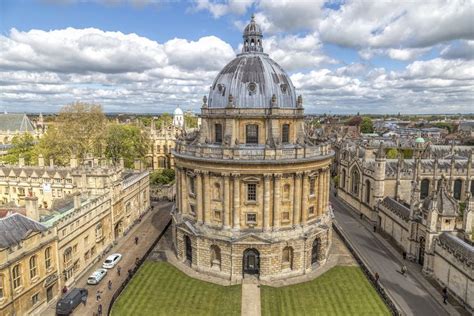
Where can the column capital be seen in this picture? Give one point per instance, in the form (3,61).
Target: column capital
(205,172)
(307,173)
(235,175)
(299,174)
(267,176)
(225,174)
(278,175)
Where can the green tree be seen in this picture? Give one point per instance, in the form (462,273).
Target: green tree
(163,121)
(126,141)
(366,126)
(392,153)
(190,121)
(22,145)
(164,176)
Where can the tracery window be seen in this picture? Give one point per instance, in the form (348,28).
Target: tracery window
(355,181)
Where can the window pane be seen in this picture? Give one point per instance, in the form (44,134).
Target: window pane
(218,133)
(251,134)
(251,192)
(285,133)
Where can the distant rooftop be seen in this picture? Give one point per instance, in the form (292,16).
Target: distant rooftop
(15,122)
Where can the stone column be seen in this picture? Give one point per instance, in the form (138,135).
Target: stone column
(184,191)
(178,191)
(226,200)
(276,202)
(199,199)
(236,202)
(326,189)
(207,198)
(266,201)
(320,193)
(297,198)
(304,199)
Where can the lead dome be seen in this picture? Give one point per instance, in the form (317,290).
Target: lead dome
(252,79)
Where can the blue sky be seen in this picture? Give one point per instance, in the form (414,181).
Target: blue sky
(343,56)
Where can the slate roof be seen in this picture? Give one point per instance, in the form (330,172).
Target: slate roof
(458,247)
(16,122)
(442,202)
(396,207)
(15,228)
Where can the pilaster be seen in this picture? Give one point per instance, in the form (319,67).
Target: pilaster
(236,202)
(266,201)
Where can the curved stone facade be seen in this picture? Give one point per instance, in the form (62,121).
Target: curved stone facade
(252,193)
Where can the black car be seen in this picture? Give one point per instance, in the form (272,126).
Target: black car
(69,302)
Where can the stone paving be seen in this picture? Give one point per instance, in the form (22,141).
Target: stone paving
(250,297)
(147,230)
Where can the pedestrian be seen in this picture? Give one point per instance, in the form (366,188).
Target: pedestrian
(84,300)
(445,295)
(136,240)
(99,309)
(118,270)
(97,295)
(376,278)
(137,261)
(109,285)
(404,254)
(64,289)
(361,215)
(375,228)
(404,269)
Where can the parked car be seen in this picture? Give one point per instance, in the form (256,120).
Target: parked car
(69,302)
(111,261)
(96,276)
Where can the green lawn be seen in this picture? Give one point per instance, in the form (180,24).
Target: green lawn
(340,291)
(160,289)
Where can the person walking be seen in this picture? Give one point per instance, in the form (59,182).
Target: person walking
(404,270)
(84,300)
(97,295)
(377,278)
(109,285)
(136,240)
(99,309)
(445,295)
(118,270)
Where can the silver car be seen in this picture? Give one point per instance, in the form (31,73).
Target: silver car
(96,276)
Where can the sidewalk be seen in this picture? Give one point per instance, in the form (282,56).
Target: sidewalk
(250,297)
(414,269)
(147,231)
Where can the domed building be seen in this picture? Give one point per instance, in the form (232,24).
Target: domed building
(178,118)
(252,188)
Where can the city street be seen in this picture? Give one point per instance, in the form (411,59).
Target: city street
(407,291)
(147,231)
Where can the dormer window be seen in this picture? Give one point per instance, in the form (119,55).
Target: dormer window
(252,88)
(251,134)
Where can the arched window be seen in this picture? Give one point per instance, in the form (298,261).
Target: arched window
(367,191)
(218,133)
(286,191)
(343,179)
(312,186)
(192,187)
(1,287)
(33,267)
(285,133)
(424,188)
(287,258)
(355,177)
(215,256)
(457,189)
(217,191)
(251,134)
(47,257)
(16,273)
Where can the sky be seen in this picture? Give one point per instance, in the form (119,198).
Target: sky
(150,56)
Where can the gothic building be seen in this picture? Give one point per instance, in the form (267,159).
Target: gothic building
(252,188)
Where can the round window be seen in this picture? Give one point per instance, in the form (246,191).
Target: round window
(252,87)
(284,87)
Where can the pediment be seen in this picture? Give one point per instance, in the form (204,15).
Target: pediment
(252,239)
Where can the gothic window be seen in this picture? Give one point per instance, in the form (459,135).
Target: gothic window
(16,272)
(285,133)
(424,188)
(217,191)
(312,186)
(286,192)
(343,179)
(355,177)
(457,189)
(251,192)
(98,231)
(215,256)
(367,191)
(218,133)
(251,134)
(33,267)
(287,258)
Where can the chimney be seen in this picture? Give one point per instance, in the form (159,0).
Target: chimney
(21,161)
(51,162)
(77,200)
(73,161)
(40,160)
(137,165)
(31,205)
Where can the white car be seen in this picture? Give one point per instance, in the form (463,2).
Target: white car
(96,276)
(111,261)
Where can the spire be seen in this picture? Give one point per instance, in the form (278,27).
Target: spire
(252,37)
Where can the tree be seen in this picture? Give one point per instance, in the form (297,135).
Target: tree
(127,142)
(392,153)
(190,121)
(366,125)
(79,129)
(22,145)
(164,176)
(163,121)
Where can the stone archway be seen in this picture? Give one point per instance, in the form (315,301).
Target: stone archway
(315,251)
(118,229)
(251,261)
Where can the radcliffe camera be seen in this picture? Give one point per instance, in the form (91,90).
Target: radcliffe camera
(236,157)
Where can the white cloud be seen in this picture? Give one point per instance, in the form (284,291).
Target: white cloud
(461,50)
(220,8)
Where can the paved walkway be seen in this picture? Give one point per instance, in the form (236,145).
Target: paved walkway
(250,297)
(147,230)
(412,293)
